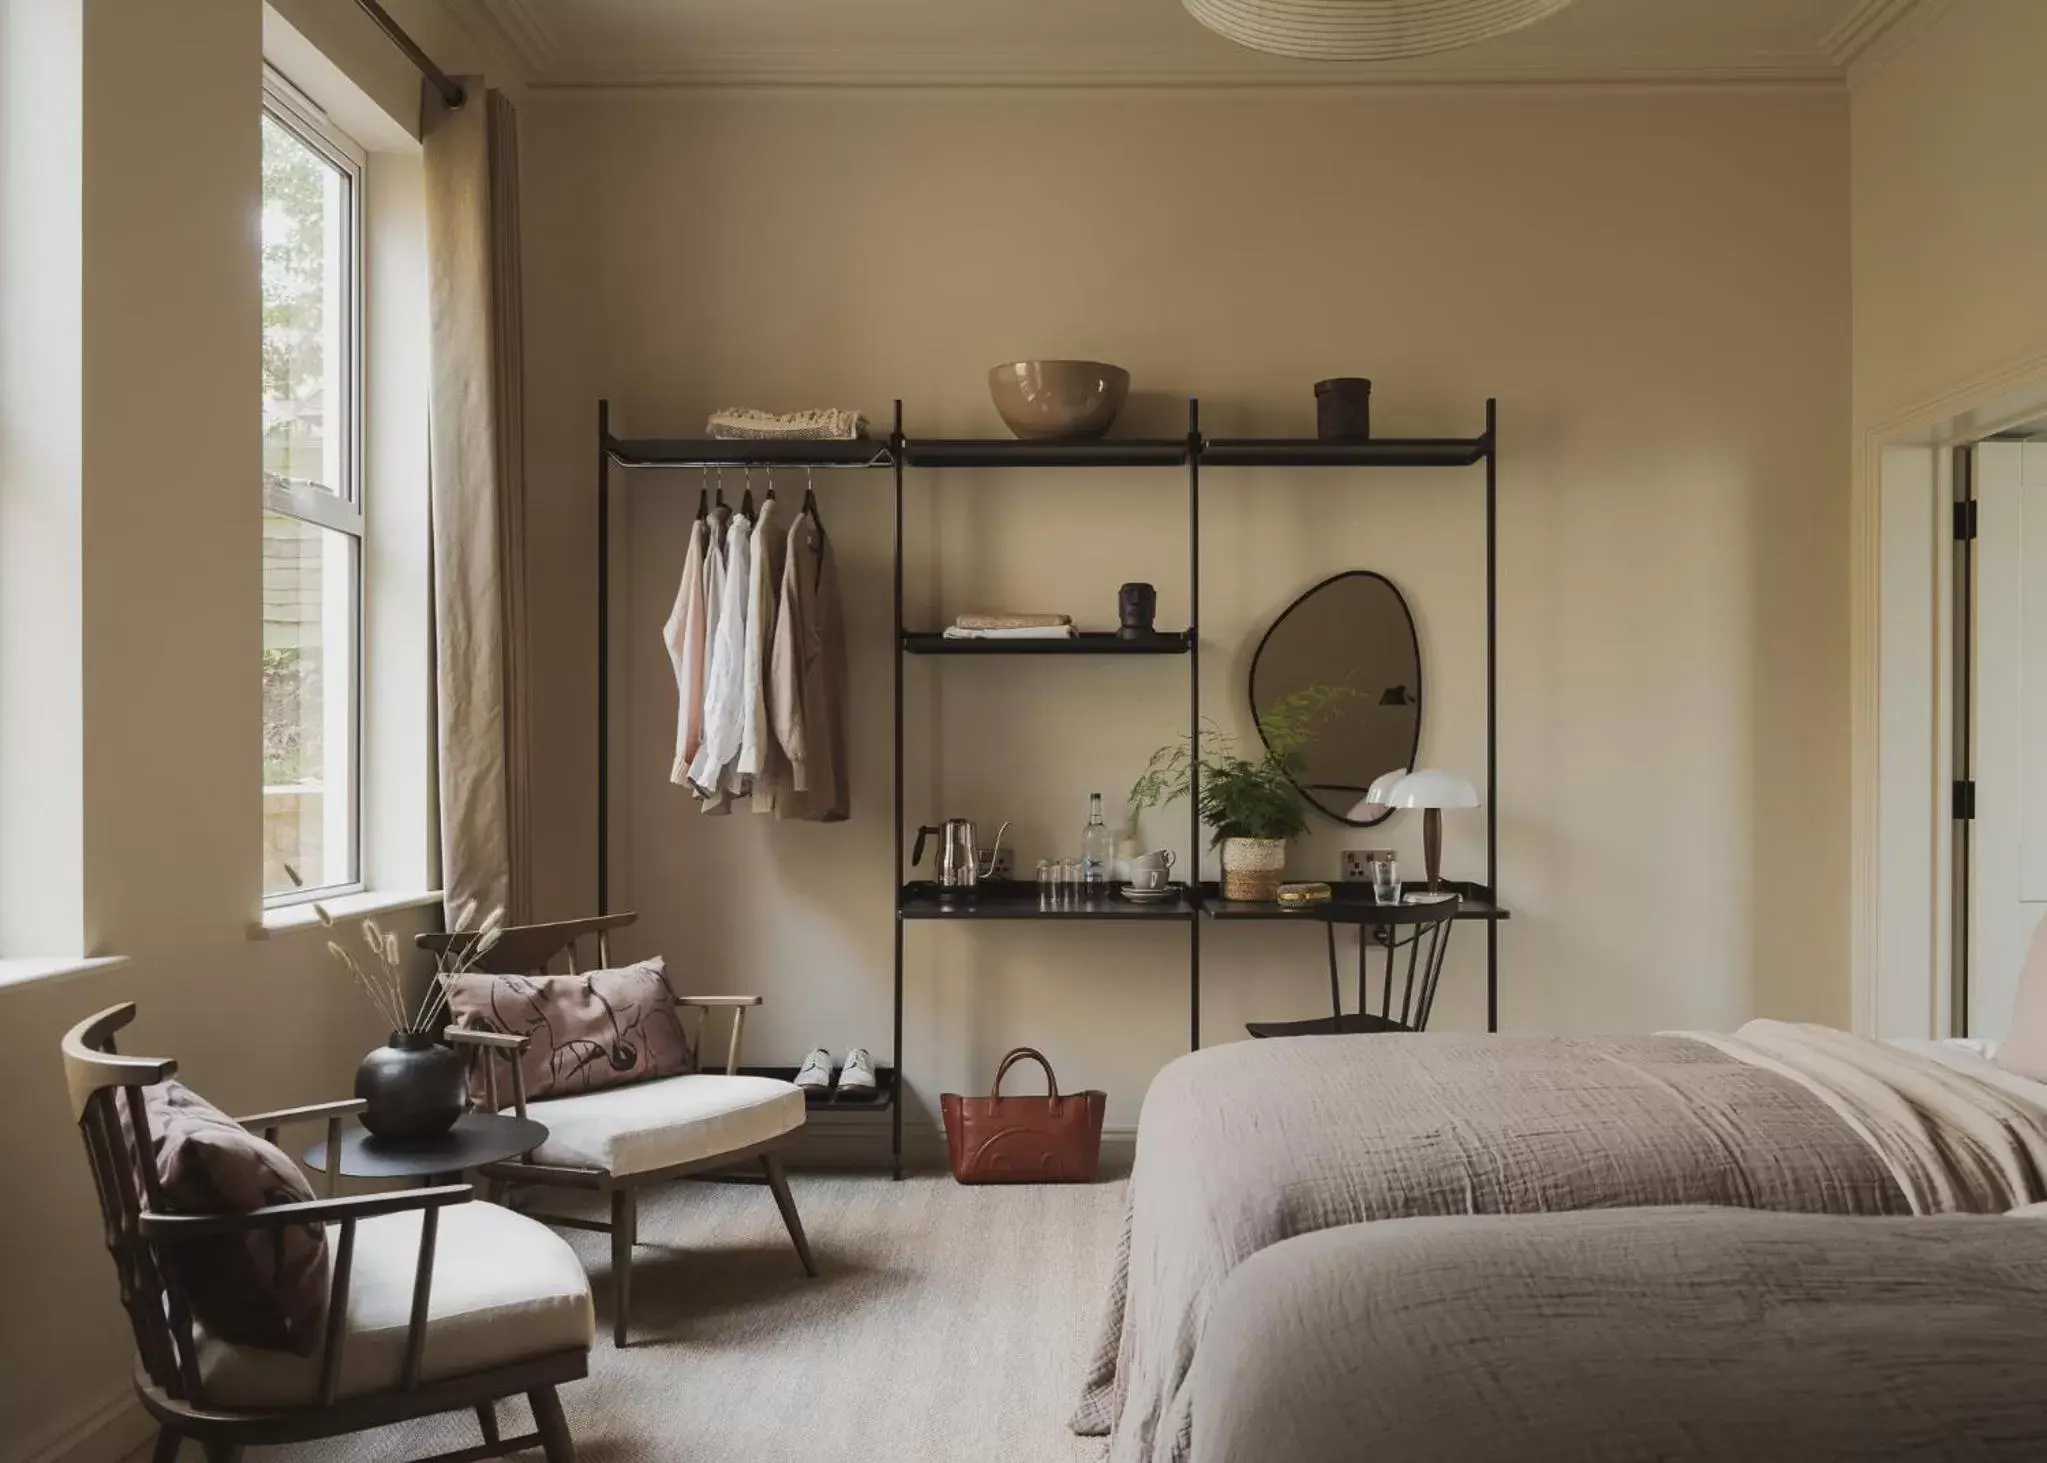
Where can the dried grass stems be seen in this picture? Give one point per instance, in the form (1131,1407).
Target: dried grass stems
(382,975)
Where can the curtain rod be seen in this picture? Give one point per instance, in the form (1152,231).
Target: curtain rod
(450,92)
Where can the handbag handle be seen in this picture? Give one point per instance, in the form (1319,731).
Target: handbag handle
(1018,1054)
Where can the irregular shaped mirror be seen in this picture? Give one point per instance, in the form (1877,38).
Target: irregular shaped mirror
(1353,630)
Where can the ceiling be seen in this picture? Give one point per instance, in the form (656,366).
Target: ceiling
(1141,42)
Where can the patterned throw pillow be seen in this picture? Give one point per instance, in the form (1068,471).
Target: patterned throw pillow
(601,1029)
(267,1289)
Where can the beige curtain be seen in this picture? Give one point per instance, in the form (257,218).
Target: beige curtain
(477,459)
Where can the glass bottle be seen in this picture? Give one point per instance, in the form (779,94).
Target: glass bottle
(1097,846)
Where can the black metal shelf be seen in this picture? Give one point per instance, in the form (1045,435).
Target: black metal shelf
(1024,899)
(1088,642)
(738,452)
(881,1100)
(1002,452)
(1348,904)
(1312,452)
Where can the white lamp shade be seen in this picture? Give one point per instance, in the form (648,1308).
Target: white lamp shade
(1429,788)
(1365,30)
(1378,797)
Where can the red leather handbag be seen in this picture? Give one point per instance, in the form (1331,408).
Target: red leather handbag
(1024,1140)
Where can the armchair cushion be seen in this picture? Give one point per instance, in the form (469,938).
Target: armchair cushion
(656,1125)
(505,1289)
(266,1289)
(600,1029)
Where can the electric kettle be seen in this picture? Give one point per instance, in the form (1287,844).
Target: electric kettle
(959,854)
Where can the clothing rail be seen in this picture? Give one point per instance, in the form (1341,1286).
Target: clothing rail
(451,92)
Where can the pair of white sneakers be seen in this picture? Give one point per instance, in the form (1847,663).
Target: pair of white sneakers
(855,1078)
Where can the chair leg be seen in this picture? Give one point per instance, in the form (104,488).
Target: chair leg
(553,1428)
(625,1222)
(784,1201)
(167,1444)
(487,1419)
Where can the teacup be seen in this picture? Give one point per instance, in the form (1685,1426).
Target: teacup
(1159,858)
(1144,879)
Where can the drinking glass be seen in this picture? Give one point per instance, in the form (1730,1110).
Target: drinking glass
(1047,890)
(1072,880)
(1386,880)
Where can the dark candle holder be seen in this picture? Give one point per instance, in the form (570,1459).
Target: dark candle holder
(1136,607)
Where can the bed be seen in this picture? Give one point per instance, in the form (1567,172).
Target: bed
(1244,1146)
(1675,1334)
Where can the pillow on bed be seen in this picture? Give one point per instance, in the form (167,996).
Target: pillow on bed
(2024,1048)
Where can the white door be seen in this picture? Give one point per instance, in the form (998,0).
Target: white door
(2008,840)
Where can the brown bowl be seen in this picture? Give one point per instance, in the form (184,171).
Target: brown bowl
(1050,400)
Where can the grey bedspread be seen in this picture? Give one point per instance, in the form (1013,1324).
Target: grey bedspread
(1243,1146)
(1673,1334)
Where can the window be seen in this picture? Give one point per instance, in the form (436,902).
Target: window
(312,500)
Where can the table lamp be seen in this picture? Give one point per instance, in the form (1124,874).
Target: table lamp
(1432,791)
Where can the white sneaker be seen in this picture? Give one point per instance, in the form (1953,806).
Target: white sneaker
(858,1073)
(816,1072)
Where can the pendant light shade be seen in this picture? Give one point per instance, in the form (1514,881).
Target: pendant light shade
(1365,30)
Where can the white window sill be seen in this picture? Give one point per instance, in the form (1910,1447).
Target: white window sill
(288,917)
(61,968)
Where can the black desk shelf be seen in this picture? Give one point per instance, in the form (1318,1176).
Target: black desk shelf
(881,1100)
(1023,899)
(738,452)
(1474,903)
(1312,452)
(1090,642)
(1009,452)
(915,903)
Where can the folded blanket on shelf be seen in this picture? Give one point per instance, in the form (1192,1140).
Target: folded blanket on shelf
(1010,622)
(1021,632)
(823,424)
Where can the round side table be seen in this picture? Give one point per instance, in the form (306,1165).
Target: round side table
(476,1139)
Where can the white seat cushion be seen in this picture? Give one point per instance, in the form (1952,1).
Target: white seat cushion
(672,1120)
(506,1288)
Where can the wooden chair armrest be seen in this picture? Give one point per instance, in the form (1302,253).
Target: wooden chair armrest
(175,1227)
(717,1002)
(340,1108)
(503,1041)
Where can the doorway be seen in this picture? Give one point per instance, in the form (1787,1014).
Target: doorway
(2000,700)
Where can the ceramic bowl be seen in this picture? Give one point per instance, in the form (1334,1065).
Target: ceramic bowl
(1051,400)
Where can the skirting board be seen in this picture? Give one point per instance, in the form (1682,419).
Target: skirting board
(109,1431)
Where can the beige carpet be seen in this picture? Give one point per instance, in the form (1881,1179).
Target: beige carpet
(949,1324)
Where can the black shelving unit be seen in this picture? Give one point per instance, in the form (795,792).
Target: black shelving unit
(1016,901)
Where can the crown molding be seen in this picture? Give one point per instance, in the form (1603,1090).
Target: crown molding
(895,69)
(1862,27)
(516,27)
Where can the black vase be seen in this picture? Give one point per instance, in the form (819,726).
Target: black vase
(414,1087)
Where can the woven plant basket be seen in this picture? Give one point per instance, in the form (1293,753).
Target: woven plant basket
(1253,868)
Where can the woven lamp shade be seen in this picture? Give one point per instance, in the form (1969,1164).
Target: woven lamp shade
(1365,30)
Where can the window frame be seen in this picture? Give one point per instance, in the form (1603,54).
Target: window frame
(338,507)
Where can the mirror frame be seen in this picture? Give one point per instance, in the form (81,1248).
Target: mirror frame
(1420,700)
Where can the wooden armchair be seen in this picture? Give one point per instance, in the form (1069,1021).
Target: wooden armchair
(456,1305)
(617,1140)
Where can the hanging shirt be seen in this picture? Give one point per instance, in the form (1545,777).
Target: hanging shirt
(808,695)
(684,636)
(760,756)
(715,772)
(714,601)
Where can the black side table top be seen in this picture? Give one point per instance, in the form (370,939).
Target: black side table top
(476,1139)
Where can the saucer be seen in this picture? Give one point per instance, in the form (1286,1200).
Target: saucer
(1149,896)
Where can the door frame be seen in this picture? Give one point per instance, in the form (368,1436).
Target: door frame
(1878,621)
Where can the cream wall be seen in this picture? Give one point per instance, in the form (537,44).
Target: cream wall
(1949,211)
(166,453)
(1655,285)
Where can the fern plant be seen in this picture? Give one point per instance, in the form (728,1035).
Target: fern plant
(1239,796)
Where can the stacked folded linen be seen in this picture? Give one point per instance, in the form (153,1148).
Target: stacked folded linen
(1011,627)
(824,424)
